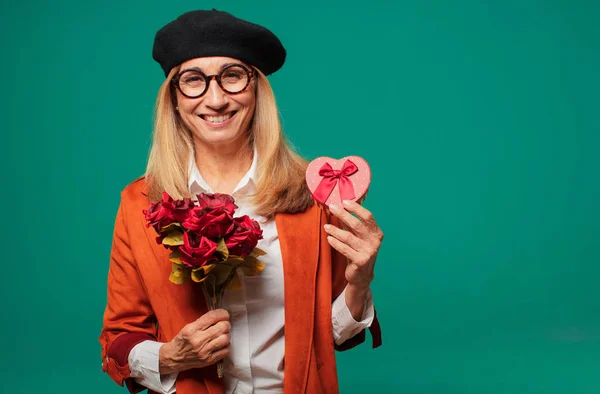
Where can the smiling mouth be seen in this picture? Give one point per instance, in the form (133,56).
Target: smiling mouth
(219,118)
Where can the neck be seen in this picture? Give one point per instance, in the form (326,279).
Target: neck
(222,167)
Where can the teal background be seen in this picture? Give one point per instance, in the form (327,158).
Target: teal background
(479,120)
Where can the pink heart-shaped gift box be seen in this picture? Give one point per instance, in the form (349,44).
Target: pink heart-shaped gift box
(319,186)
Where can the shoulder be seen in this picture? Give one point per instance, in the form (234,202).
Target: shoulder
(135,190)
(135,196)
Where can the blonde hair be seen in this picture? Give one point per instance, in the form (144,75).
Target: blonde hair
(281,185)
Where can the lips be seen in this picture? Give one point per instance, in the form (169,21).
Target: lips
(218,118)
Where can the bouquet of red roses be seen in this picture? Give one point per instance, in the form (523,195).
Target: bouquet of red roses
(208,244)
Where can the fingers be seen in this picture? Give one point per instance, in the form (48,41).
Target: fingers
(345,236)
(211,353)
(346,218)
(220,354)
(344,249)
(218,343)
(200,346)
(216,330)
(209,319)
(364,226)
(363,213)
(211,324)
(204,341)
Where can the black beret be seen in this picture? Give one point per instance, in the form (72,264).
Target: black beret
(217,33)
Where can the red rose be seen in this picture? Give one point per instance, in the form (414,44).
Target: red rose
(245,236)
(213,223)
(167,211)
(197,251)
(217,200)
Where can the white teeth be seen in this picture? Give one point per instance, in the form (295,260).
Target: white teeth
(218,119)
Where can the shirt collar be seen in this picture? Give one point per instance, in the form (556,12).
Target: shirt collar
(197,184)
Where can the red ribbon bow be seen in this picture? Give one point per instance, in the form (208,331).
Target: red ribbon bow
(332,177)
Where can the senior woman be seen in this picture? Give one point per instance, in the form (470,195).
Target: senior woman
(217,131)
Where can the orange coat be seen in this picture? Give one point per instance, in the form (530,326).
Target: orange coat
(143,304)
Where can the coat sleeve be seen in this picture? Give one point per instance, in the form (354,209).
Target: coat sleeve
(338,271)
(128,316)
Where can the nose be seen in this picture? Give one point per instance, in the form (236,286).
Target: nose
(215,98)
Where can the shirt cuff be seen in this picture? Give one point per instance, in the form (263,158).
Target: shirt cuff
(143,363)
(344,325)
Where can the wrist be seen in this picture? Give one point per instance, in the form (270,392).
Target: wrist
(359,291)
(356,297)
(166,363)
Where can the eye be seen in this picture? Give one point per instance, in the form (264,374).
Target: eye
(234,74)
(193,78)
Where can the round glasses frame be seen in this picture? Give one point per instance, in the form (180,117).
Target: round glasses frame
(217,77)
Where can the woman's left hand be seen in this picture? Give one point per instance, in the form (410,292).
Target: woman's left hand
(360,244)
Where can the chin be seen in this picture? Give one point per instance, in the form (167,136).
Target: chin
(219,137)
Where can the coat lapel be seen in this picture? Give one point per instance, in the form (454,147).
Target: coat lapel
(299,243)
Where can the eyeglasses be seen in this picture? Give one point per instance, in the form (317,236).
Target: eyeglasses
(193,83)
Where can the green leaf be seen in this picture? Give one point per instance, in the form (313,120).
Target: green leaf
(222,248)
(235,261)
(234,283)
(171,227)
(173,238)
(175,257)
(179,273)
(201,273)
(257,252)
(234,258)
(222,273)
(198,276)
(251,266)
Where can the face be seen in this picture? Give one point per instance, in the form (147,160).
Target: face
(217,117)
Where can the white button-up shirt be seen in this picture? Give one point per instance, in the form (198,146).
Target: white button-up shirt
(256,361)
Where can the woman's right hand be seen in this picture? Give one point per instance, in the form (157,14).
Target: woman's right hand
(198,344)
